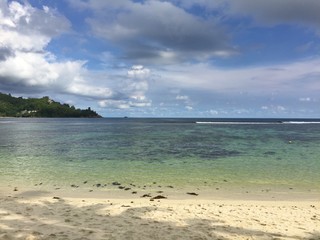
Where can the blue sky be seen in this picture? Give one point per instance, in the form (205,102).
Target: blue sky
(178,58)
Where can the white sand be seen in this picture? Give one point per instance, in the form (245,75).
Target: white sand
(36,215)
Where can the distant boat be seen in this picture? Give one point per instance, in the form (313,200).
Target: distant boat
(125,117)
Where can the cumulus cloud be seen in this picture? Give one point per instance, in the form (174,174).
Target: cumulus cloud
(24,28)
(186,101)
(156,31)
(27,67)
(138,71)
(132,90)
(24,34)
(137,85)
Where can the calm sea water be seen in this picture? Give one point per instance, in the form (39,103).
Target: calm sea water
(179,152)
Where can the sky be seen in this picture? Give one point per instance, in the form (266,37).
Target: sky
(177,58)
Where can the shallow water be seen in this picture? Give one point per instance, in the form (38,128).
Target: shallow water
(177,152)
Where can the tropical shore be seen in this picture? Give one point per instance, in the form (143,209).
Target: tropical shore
(40,213)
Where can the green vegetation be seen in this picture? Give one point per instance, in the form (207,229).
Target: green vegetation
(43,107)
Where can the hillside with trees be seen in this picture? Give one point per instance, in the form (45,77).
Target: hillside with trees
(40,107)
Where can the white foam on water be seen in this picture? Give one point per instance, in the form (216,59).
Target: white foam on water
(300,122)
(226,123)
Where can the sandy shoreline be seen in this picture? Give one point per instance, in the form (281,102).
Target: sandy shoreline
(39,214)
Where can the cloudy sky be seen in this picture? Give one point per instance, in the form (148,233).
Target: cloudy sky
(177,58)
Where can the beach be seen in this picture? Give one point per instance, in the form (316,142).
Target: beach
(39,213)
(158,179)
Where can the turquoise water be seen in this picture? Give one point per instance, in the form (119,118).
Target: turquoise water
(177,152)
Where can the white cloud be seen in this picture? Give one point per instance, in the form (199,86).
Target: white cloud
(186,101)
(305,99)
(114,104)
(32,72)
(292,78)
(122,104)
(274,109)
(182,97)
(280,108)
(137,83)
(25,28)
(26,65)
(25,32)
(213,112)
(138,71)
(131,90)
(46,9)
(82,89)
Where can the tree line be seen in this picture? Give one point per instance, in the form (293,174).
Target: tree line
(40,107)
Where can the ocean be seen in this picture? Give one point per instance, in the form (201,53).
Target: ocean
(277,154)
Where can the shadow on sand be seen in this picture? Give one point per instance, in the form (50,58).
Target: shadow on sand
(58,219)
